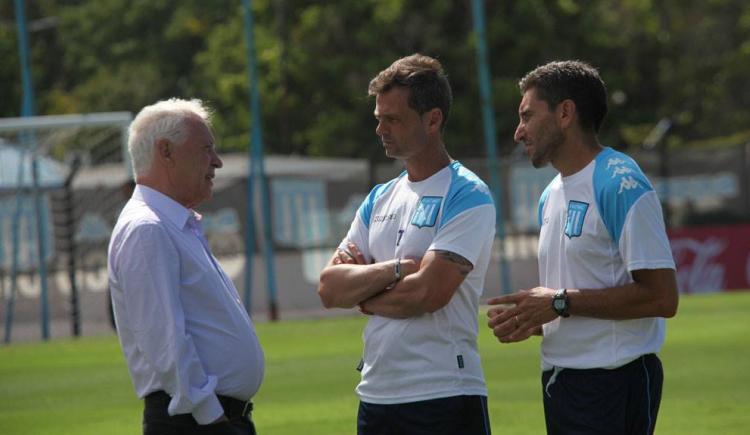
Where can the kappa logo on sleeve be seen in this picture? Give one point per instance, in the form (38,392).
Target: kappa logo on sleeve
(615,162)
(620,170)
(574,221)
(427,211)
(628,183)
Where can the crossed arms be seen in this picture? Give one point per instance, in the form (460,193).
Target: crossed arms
(426,285)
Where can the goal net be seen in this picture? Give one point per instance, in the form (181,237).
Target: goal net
(62,177)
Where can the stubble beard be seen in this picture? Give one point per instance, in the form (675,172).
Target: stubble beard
(394,150)
(551,142)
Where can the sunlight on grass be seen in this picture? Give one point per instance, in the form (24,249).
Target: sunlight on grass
(82,386)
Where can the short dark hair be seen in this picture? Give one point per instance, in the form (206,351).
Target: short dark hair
(570,80)
(425,79)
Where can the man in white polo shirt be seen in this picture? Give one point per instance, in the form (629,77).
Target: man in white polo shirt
(607,277)
(415,259)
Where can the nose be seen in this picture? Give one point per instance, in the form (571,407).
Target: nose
(380,129)
(518,136)
(216,161)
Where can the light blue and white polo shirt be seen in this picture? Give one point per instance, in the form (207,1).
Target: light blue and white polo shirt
(597,226)
(433,355)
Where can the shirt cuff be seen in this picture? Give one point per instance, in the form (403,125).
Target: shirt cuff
(208,411)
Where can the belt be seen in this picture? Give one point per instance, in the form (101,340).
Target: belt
(233,408)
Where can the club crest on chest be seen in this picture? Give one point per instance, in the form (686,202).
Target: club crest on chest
(427,211)
(575,217)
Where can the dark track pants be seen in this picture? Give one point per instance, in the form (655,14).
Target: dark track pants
(621,401)
(457,415)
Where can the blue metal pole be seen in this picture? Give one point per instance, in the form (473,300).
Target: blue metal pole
(16,250)
(249,239)
(27,109)
(41,240)
(257,168)
(250,231)
(488,118)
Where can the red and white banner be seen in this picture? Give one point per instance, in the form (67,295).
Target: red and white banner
(711,259)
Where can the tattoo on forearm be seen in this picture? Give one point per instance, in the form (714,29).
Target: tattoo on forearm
(464,265)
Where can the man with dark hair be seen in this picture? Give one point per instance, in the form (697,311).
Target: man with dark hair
(607,277)
(424,76)
(415,259)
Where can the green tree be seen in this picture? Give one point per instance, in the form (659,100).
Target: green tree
(686,60)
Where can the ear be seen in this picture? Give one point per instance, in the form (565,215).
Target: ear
(566,113)
(433,120)
(164,151)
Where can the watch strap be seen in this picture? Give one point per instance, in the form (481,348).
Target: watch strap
(396,274)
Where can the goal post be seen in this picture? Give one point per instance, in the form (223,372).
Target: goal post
(120,120)
(57,146)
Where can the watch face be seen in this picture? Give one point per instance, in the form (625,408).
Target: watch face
(559,304)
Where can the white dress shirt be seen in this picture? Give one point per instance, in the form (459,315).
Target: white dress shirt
(182,326)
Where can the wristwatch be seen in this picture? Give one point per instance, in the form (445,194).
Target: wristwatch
(396,274)
(561,303)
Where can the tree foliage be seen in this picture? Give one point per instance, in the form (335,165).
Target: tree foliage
(687,60)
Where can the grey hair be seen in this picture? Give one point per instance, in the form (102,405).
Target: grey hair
(161,120)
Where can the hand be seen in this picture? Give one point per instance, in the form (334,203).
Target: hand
(523,314)
(351,255)
(498,309)
(222,418)
(364,310)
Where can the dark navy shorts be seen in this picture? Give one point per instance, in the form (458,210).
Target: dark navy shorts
(458,415)
(620,401)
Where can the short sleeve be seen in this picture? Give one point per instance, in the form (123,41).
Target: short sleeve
(467,232)
(644,243)
(360,229)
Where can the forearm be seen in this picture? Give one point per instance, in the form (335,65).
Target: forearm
(409,298)
(630,301)
(346,285)
(426,291)
(652,294)
(396,303)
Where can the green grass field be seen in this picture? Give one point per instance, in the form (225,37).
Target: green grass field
(82,387)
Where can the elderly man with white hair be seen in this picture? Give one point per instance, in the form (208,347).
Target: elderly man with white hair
(191,347)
